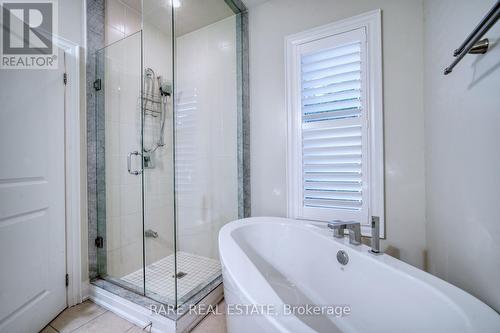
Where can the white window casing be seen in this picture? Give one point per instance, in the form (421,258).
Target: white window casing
(335,167)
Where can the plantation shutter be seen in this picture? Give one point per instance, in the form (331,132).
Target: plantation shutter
(333,120)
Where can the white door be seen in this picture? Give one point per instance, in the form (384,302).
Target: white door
(32,198)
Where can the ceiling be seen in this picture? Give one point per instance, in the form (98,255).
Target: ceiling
(189,16)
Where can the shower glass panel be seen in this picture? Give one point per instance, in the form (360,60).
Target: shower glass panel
(158,153)
(206,139)
(119,170)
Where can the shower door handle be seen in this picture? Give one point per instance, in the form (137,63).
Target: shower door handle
(129,163)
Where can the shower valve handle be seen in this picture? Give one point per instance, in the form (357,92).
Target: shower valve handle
(129,163)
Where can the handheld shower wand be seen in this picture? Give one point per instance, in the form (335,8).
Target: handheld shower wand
(165,92)
(156,103)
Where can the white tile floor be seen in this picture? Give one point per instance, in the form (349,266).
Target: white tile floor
(213,323)
(91,318)
(159,275)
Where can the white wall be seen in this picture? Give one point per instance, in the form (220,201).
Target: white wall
(71,20)
(462,132)
(402,21)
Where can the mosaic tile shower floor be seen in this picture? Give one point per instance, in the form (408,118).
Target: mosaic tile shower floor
(199,271)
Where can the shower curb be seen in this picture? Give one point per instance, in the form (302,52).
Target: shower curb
(142,316)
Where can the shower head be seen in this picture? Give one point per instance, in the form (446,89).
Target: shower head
(165,88)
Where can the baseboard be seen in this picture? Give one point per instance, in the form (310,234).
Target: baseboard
(85,290)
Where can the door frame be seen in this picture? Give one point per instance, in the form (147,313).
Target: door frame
(73,172)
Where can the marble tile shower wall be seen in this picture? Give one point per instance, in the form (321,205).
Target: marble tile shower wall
(95,41)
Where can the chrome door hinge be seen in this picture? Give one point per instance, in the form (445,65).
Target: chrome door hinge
(97,84)
(65,78)
(67,280)
(99,242)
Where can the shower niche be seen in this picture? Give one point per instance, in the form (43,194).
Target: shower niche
(170,159)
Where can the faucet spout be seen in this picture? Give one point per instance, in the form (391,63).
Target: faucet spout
(353,227)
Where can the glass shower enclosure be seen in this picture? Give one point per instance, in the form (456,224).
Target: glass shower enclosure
(169,126)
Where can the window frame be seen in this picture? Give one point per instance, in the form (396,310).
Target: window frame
(371,22)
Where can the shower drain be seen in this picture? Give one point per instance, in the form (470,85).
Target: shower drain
(179,275)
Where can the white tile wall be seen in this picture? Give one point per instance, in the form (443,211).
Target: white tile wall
(206,140)
(206,136)
(121,20)
(158,182)
(122,84)
(123,128)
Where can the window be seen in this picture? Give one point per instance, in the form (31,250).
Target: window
(335,137)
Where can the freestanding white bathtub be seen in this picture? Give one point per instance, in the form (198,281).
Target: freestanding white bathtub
(270,263)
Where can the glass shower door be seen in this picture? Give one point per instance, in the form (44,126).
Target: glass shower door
(119,126)
(158,149)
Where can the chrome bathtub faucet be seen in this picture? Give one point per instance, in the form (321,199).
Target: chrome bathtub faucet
(354,229)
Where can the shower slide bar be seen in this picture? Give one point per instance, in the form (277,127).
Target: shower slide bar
(473,43)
